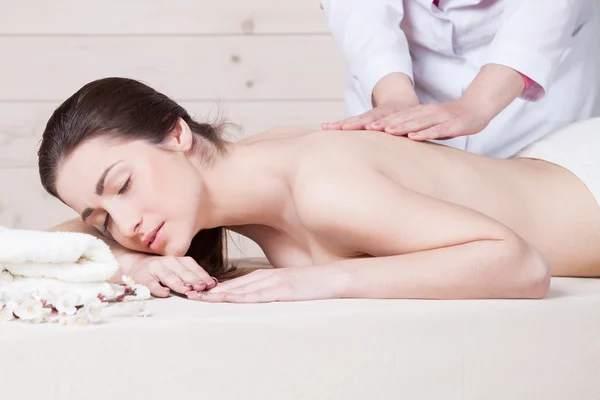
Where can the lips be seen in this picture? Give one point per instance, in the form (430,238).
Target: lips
(152,235)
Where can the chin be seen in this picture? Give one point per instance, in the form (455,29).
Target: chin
(177,249)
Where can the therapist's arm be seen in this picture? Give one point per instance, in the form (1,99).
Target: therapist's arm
(524,56)
(368,35)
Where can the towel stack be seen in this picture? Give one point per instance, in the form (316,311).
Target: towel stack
(57,261)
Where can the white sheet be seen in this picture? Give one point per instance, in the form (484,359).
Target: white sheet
(341,349)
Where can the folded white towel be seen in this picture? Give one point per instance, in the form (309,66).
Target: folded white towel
(43,263)
(66,256)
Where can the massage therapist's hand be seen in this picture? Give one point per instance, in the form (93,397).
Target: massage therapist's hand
(284,284)
(363,121)
(393,93)
(492,90)
(181,274)
(434,121)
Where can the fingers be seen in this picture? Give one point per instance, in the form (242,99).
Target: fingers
(241,281)
(195,275)
(171,280)
(335,126)
(156,289)
(415,125)
(231,291)
(248,287)
(264,295)
(444,130)
(398,118)
(357,122)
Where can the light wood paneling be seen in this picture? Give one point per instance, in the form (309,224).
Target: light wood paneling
(161,17)
(25,204)
(190,68)
(21,124)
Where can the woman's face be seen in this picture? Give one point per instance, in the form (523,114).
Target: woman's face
(144,196)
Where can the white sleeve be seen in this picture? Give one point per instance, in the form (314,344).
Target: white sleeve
(532,38)
(368,34)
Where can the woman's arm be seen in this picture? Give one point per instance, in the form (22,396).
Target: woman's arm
(422,247)
(181,274)
(418,247)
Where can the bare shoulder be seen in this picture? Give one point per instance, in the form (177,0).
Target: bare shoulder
(283,132)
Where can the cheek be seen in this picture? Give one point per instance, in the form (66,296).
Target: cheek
(169,188)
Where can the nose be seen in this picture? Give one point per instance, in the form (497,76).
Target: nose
(127,219)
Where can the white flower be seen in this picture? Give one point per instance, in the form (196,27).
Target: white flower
(3,298)
(15,298)
(141,291)
(93,309)
(64,301)
(30,309)
(6,314)
(128,280)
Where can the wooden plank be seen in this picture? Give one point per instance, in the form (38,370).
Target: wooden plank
(161,17)
(21,124)
(24,204)
(190,68)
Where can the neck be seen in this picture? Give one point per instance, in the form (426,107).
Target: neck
(240,188)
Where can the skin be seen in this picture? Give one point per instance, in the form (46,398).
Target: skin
(397,110)
(348,214)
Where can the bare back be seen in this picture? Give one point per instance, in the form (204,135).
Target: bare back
(543,203)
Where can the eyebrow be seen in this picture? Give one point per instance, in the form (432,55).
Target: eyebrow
(99,190)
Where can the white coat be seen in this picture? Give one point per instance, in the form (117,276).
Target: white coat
(556,43)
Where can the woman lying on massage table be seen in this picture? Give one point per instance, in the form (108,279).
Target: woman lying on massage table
(339,214)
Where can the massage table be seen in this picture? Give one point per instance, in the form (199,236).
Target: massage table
(334,349)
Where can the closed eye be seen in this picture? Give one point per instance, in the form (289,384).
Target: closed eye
(105,225)
(125,186)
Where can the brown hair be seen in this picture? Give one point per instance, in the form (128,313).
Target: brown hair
(126,109)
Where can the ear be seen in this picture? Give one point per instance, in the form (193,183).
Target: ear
(181,138)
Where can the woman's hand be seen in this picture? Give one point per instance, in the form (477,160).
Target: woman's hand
(434,121)
(285,284)
(181,274)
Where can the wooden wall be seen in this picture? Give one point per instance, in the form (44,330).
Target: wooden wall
(267,62)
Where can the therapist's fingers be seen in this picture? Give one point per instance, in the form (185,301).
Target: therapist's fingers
(353,123)
(445,130)
(398,118)
(357,122)
(415,125)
